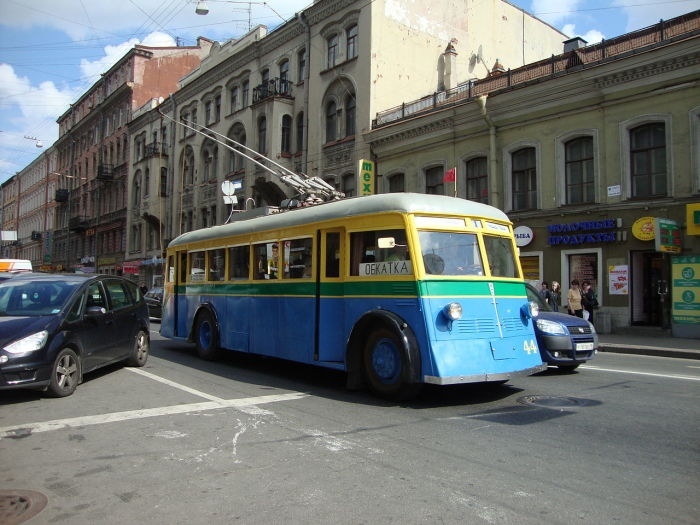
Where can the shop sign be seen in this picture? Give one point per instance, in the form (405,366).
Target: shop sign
(584,232)
(685,292)
(523,235)
(668,236)
(692,218)
(618,279)
(366,176)
(643,229)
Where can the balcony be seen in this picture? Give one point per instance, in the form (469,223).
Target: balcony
(78,224)
(62,195)
(155,149)
(105,172)
(272,88)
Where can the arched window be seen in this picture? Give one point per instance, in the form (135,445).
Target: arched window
(578,160)
(524,179)
(136,190)
(648,160)
(300,132)
(286,146)
(262,135)
(332,51)
(352,42)
(350,115)
(331,121)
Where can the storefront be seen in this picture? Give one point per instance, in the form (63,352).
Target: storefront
(627,258)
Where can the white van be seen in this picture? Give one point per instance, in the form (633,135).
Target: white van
(15,265)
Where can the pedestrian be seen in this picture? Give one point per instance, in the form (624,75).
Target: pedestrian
(555,296)
(588,299)
(574,297)
(544,292)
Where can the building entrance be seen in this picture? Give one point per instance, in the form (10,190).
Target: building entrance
(649,289)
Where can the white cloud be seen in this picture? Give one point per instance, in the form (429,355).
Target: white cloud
(640,15)
(554,11)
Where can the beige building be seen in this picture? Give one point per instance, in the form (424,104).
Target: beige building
(588,152)
(304,94)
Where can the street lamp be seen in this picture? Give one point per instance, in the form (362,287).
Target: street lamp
(202,8)
(37,142)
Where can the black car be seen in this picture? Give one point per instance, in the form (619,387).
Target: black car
(564,340)
(154,300)
(56,327)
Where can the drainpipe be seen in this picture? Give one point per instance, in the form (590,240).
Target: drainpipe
(305,152)
(493,161)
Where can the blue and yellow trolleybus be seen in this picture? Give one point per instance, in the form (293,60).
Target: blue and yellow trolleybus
(397,290)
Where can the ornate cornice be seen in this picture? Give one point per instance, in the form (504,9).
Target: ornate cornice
(648,70)
(415,132)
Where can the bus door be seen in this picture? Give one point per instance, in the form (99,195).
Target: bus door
(178,311)
(330,303)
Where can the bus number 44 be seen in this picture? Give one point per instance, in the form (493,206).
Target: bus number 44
(530,347)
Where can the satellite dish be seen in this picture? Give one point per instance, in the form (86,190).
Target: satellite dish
(228,188)
(480,54)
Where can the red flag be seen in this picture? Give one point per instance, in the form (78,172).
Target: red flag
(450,175)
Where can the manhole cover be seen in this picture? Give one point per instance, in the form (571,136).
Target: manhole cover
(17,506)
(554,401)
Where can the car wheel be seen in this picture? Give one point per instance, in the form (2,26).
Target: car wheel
(385,364)
(206,337)
(568,368)
(65,374)
(140,350)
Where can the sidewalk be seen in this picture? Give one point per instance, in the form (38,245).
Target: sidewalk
(649,341)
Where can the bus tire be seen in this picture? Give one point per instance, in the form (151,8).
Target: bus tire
(386,366)
(206,337)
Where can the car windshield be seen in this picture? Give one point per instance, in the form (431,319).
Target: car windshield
(22,297)
(534,296)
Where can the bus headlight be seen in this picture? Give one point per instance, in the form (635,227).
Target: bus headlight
(452,311)
(529,310)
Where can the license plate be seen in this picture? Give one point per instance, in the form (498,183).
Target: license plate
(584,346)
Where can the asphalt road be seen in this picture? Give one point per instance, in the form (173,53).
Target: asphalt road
(252,440)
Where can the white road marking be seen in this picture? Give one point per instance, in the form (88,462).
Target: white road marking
(243,404)
(634,372)
(174,384)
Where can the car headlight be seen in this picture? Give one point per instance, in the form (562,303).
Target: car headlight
(550,327)
(453,311)
(31,343)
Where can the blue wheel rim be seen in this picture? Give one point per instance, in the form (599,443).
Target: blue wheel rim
(205,335)
(386,361)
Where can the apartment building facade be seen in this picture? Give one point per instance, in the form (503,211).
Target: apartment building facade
(595,156)
(303,95)
(92,156)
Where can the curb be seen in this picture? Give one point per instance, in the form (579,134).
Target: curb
(655,351)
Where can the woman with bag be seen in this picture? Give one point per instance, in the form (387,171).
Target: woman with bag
(574,297)
(588,300)
(555,296)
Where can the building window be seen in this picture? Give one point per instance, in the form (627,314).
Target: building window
(244,95)
(350,115)
(331,121)
(352,42)
(477,180)
(397,183)
(286,146)
(236,161)
(217,108)
(300,132)
(146,182)
(349,187)
(434,181)
(163,182)
(332,51)
(524,179)
(301,66)
(262,134)
(579,170)
(234,98)
(136,190)
(284,76)
(648,160)
(207,112)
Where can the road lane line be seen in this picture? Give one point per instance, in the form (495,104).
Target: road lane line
(633,372)
(242,404)
(174,384)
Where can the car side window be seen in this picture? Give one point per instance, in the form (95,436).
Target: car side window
(119,296)
(95,296)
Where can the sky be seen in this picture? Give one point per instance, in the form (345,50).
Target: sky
(53,51)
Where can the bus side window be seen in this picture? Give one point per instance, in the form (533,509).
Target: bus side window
(298,259)
(183,267)
(333,254)
(266,260)
(197,266)
(217,264)
(238,260)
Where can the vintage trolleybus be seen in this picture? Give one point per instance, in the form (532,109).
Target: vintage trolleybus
(397,290)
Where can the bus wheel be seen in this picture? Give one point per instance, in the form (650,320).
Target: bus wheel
(206,337)
(385,366)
